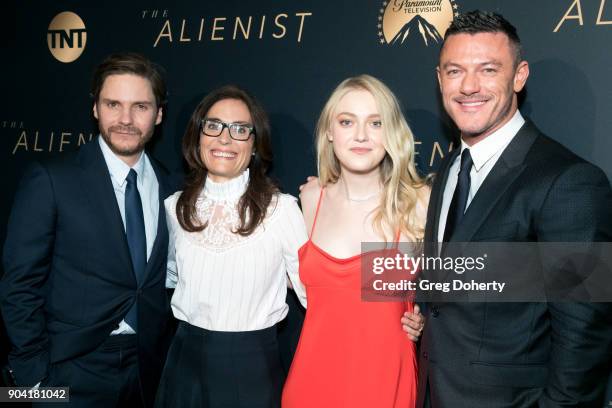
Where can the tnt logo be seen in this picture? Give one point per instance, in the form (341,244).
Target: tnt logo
(66,36)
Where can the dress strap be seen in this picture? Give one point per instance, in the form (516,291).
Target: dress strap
(314,222)
(397,238)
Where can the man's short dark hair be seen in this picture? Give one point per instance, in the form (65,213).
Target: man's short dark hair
(478,21)
(130,63)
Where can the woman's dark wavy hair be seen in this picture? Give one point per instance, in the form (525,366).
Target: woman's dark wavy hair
(253,204)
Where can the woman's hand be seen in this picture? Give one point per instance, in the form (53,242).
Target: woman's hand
(311,182)
(413,323)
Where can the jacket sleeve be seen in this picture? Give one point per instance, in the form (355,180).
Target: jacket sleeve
(578,209)
(27,259)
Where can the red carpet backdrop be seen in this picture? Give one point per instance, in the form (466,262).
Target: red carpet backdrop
(290,54)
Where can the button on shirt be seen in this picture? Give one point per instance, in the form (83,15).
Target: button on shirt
(484,155)
(148,188)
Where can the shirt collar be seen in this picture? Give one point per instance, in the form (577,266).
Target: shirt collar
(497,141)
(117,167)
(230,190)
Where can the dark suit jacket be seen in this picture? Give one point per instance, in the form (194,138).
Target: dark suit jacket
(522,354)
(68,276)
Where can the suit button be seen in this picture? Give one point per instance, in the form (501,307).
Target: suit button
(425,355)
(435,312)
(139,292)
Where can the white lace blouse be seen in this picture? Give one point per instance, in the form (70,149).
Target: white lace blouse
(228,282)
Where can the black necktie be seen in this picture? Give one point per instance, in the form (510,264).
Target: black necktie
(136,238)
(460,196)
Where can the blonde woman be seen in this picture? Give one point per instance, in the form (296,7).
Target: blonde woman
(354,353)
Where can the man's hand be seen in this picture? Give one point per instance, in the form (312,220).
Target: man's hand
(413,323)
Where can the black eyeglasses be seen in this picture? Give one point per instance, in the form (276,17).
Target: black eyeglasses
(237,131)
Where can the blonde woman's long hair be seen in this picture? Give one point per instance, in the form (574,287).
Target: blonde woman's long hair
(399,177)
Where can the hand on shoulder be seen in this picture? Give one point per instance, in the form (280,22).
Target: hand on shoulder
(310,190)
(309,196)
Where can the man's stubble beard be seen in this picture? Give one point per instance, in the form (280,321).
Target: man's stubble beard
(134,132)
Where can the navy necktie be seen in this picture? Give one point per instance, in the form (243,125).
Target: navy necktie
(460,196)
(136,237)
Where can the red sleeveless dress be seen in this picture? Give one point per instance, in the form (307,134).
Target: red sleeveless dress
(351,353)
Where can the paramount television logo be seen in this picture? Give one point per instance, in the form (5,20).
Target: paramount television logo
(415,22)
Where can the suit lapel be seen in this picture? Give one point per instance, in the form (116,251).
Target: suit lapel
(437,195)
(161,242)
(98,188)
(508,167)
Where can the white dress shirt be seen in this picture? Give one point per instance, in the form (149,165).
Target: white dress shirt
(484,155)
(227,282)
(148,188)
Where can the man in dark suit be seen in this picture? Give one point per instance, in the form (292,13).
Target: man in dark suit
(83,296)
(508,182)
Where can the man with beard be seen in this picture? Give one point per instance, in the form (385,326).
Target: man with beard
(83,295)
(507,182)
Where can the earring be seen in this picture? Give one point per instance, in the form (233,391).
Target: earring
(253,154)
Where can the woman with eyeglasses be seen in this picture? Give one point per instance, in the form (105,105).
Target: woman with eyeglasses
(234,239)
